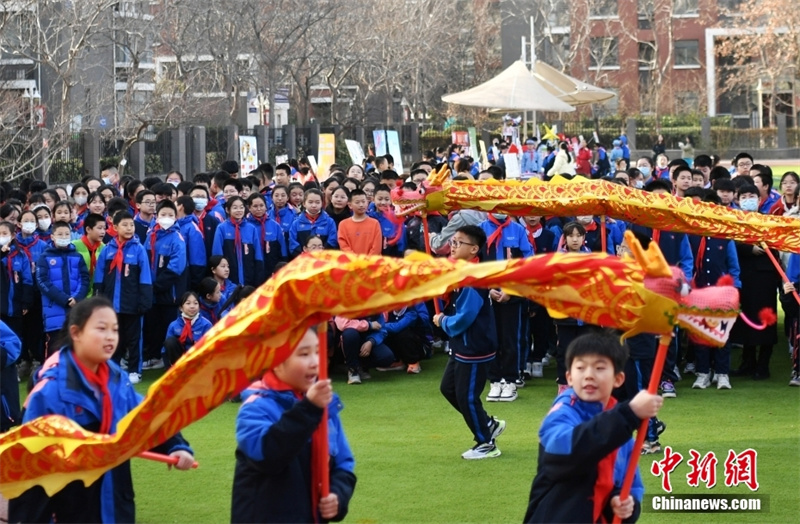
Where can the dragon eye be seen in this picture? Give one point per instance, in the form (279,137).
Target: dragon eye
(421,190)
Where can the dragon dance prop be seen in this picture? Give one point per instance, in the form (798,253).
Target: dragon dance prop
(581,196)
(635,295)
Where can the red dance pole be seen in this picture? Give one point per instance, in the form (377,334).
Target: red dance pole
(780,270)
(603,235)
(652,388)
(320,438)
(427,239)
(158,457)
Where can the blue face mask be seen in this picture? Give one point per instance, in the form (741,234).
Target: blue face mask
(645,171)
(749,204)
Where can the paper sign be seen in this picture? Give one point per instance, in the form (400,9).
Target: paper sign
(327,153)
(356,151)
(512,165)
(461,138)
(379,136)
(484,155)
(313,163)
(281,159)
(248,154)
(473,142)
(394,149)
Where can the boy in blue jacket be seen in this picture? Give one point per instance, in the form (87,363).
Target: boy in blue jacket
(63,279)
(196,256)
(585,440)
(123,276)
(469,322)
(405,330)
(274,479)
(166,252)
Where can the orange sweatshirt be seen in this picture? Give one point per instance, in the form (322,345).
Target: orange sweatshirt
(362,238)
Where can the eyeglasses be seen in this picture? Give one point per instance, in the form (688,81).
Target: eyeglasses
(458,243)
(148,202)
(744,164)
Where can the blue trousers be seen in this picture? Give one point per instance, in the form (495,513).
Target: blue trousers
(352,340)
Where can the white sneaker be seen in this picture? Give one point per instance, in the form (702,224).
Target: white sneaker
(353,377)
(546,360)
(723,382)
(537,370)
(135,378)
(795,380)
(714,376)
(702,381)
(123,365)
(494,392)
(677,372)
(481,451)
(527,373)
(508,391)
(689,368)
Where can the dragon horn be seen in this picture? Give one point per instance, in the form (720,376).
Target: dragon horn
(652,260)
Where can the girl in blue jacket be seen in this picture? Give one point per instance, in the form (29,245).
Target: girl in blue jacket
(270,233)
(275,478)
(63,279)
(237,240)
(83,384)
(313,221)
(187,329)
(16,280)
(32,336)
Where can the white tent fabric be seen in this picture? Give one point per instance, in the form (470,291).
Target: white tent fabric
(514,89)
(568,89)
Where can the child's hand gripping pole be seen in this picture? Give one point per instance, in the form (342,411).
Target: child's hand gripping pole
(427,239)
(158,457)
(652,388)
(320,437)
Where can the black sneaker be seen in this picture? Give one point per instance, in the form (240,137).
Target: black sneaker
(496,426)
(659,426)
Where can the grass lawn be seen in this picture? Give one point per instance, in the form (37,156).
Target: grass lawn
(778,171)
(407,442)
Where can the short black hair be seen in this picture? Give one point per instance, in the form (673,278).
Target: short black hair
(741,156)
(383,187)
(122,215)
(743,180)
(91,220)
(695,192)
(143,193)
(678,162)
(658,183)
(201,178)
(764,173)
(389,175)
(601,343)
(59,224)
(747,189)
(117,204)
(354,193)
(719,172)
(164,189)
(230,166)
(167,204)
(703,161)
(724,184)
(201,188)
(235,182)
(712,198)
(475,234)
(680,169)
(574,226)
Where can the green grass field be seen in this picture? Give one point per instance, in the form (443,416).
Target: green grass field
(407,442)
(778,171)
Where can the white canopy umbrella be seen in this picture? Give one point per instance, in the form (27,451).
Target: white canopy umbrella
(568,89)
(513,89)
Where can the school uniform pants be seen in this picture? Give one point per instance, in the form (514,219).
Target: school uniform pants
(33,334)
(173,350)
(407,345)
(511,323)
(129,345)
(380,356)
(637,378)
(540,327)
(9,393)
(156,325)
(672,357)
(721,358)
(462,385)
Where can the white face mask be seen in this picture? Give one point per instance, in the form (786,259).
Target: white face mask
(584,219)
(639,184)
(61,242)
(200,203)
(81,200)
(44,224)
(645,170)
(174,183)
(28,227)
(4,241)
(166,223)
(107,181)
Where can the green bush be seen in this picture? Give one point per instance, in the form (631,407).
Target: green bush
(153,165)
(65,171)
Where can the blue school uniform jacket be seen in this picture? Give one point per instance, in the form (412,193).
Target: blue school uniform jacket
(469,322)
(718,258)
(272,477)
(166,254)
(200,327)
(10,347)
(213,312)
(574,439)
(63,390)
(388,231)
(209,222)
(33,247)
(16,282)
(303,227)
(196,258)
(284,217)
(411,316)
(273,243)
(80,218)
(513,241)
(675,246)
(61,274)
(142,227)
(131,289)
(247,259)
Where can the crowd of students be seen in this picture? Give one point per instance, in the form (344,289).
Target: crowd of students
(171,257)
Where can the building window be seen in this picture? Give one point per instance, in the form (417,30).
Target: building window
(557,13)
(647,56)
(729,7)
(644,13)
(604,52)
(687,102)
(556,49)
(685,8)
(603,9)
(687,53)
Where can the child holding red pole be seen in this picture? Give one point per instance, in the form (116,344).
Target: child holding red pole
(81,382)
(276,467)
